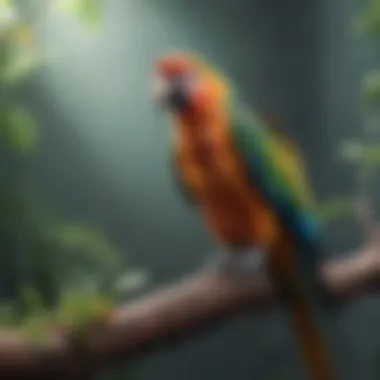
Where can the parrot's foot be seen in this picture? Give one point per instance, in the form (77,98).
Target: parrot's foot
(240,264)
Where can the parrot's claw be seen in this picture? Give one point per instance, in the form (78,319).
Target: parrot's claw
(251,263)
(219,263)
(248,263)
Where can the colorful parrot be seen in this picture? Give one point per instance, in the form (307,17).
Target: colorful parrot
(249,185)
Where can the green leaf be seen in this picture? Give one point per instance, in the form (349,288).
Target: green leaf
(88,241)
(371,86)
(368,21)
(21,131)
(335,208)
(354,151)
(21,66)
(371,155)
(78,310)
(88,11)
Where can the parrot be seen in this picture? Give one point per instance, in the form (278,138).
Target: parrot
(249,185)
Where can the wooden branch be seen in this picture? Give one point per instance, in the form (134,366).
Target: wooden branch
(169,314)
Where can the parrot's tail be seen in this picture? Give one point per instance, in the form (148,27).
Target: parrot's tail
(313,347)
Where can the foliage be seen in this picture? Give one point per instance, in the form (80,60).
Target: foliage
(76,312)
(87,10)
(21,130)
(60,273)
(368,21)
(363,153)
(371,86)
(336,207)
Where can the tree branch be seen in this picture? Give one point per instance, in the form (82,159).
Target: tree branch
(169,314)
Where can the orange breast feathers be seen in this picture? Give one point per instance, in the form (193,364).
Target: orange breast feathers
(214,175)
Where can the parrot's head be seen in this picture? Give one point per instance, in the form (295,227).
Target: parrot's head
(183,82)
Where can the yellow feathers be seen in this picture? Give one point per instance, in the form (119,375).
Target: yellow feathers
(291,164)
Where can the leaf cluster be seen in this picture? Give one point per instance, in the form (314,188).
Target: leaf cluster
(362,153)
(66,272)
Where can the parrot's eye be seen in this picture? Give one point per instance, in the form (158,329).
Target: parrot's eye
(174,90)
(185,80)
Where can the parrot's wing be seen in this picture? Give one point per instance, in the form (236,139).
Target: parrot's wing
(179,182)
(274,169)
(289,158)
(275,128)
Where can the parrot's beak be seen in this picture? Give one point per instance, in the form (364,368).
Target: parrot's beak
(169,94)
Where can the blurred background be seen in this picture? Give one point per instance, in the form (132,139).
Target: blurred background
(86,194)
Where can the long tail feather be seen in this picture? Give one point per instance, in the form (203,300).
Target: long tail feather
(296,276)
(313,347)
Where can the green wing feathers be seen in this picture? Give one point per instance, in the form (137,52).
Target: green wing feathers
(276,171)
